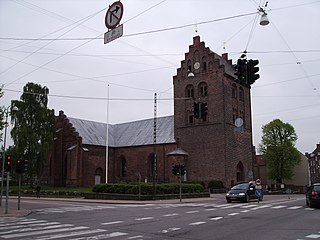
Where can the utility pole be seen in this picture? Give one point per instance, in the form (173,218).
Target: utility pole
(154,145)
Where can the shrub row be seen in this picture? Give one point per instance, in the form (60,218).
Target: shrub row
(147,188)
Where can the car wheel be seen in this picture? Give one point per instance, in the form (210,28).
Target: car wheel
(229,200)
(307,203)
(261,198)
(247,198)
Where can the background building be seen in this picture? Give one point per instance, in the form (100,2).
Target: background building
(314,164)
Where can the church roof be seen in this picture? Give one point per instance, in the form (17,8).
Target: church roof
(125,134)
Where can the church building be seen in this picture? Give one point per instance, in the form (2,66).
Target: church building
(210,133)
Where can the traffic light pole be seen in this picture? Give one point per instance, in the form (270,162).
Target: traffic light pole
(19,195)
(180,190)
(7,192)
(4,153)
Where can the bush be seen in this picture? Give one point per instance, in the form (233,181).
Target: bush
(147,188)
(215,184)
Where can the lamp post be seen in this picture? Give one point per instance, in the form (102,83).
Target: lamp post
(6,112)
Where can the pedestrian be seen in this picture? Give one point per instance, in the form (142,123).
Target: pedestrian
(38,189)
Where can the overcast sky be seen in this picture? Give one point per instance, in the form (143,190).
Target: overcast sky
(59,44)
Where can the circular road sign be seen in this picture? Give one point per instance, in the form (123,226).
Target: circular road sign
(114,15)
(258,182)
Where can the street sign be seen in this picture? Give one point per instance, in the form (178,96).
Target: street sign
(113,34)
(114,15)
(258,193)
(258,182)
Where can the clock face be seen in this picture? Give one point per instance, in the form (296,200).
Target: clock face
(196,65)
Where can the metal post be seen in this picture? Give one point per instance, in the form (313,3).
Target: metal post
(19,195)
(7,192)
(180,183)
(107,135)
(4,152)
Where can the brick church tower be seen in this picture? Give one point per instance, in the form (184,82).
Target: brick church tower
(218,148)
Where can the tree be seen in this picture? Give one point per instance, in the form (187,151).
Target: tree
(33,127)
(278,149)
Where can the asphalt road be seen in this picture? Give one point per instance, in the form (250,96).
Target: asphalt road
(277,217)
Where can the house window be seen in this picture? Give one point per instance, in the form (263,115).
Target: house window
(234,114)
(189,66)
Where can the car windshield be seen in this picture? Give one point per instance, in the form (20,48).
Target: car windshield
(241,186)
(316,188)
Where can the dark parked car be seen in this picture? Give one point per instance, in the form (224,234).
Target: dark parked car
(313,195)
(243,192)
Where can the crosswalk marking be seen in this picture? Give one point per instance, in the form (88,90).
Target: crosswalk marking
(216,218)
(313,236)
(171,214)
(196,223)
(294,207)
(27,229)
(145,218)
(69,234)
(278,207)
(104,236)
(110,223)
(16,235)
(233,214)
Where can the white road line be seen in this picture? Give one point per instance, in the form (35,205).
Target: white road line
(245,211)
(232,206)
(313,236)
(262,206)
(43,232)
(171,214)
(210,209)
(294,207)
(278,207)
(249,206)
(103,236)
(28,229)
(309,209)
(192,212)
(110,223)
(169,230)
(32,225)
(21,223)
(196,223)
(145,218)
(69,234)
(233,214)
(216,218)
(134,237)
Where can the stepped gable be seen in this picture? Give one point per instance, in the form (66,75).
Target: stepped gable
(125,134)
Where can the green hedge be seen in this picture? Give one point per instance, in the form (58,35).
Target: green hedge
(215,184)
(147,188)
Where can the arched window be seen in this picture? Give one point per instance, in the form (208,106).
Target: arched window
(240,172)
(210,66)
(204,64)
(203,89)
(189,91)
(241,94)
(122,166)
(189,68)
(234,90)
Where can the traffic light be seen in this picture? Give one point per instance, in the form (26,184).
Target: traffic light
(178,169)
(196,109)
(183,169)
(20,166)
(26,165)
(252,71)
(204,110)
(7,166)
(241,70)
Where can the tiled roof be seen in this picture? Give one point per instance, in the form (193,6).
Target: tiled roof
(125,134)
